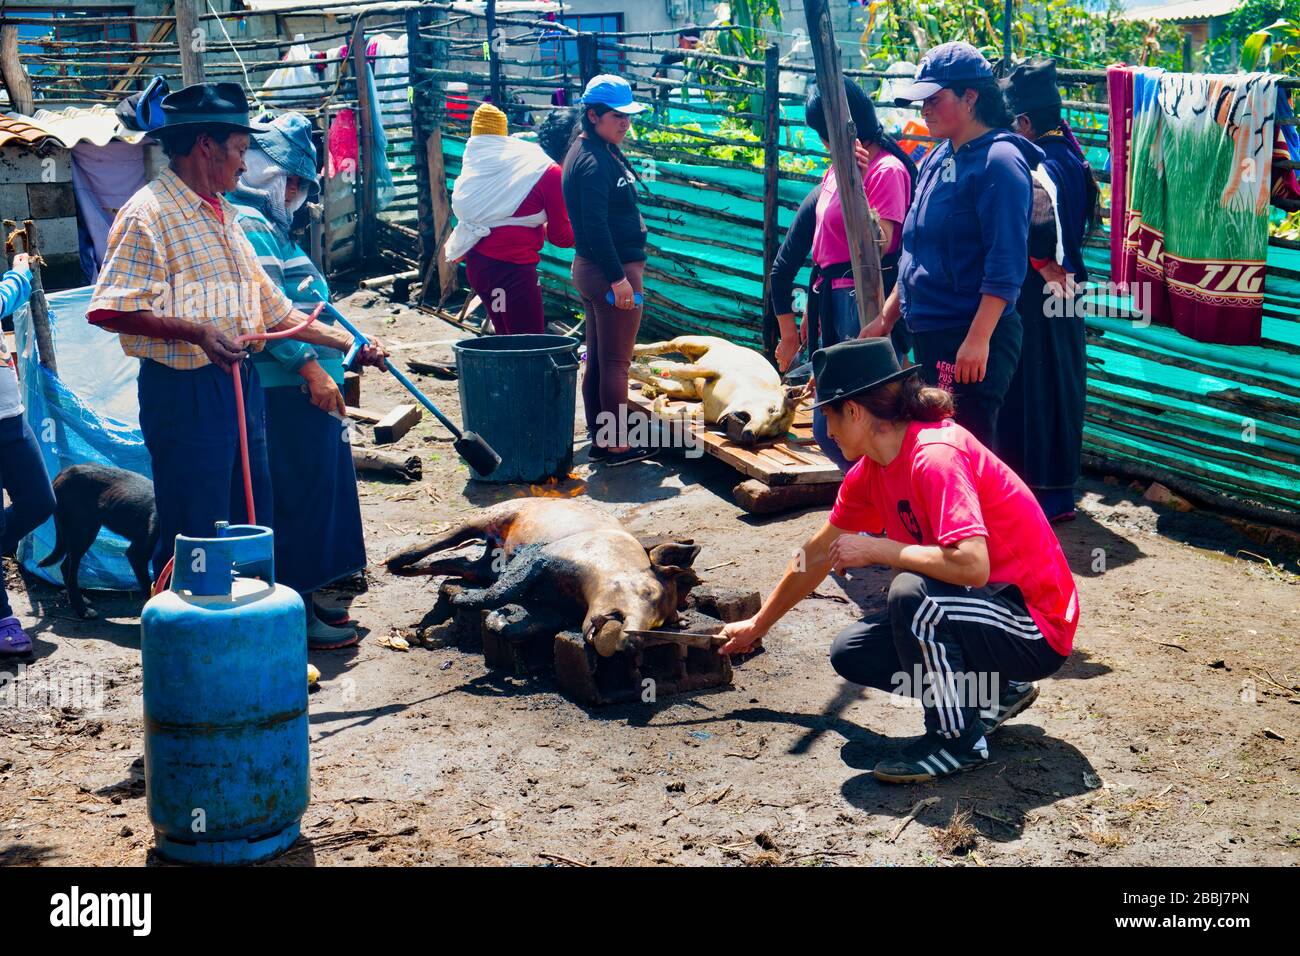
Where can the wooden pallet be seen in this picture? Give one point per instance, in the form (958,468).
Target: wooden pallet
(786,473)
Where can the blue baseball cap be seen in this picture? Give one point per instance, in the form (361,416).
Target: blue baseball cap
(613,91)
(948,64)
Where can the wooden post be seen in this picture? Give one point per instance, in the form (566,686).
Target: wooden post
(588,58)
(441,207)
(861,231)
(40,310)
(17,82)
(187,22)
(366,153)
(495,39)
(771,179)
(417,58)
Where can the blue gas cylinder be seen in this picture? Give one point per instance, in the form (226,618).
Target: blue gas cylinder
(224,653)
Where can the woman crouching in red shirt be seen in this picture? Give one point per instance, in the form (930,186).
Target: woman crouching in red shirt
(983,602)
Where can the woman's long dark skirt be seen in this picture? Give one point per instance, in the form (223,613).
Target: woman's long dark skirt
(318,533)
(1040,427)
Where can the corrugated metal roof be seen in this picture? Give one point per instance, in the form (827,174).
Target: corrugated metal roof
(21,129)
(96,124)
(1184,10)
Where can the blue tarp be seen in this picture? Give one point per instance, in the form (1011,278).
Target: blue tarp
(87,413)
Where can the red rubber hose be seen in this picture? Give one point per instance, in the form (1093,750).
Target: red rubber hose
(164,579)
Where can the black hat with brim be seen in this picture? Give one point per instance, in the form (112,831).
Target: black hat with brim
(208,105)
(1032,86)
(850,368)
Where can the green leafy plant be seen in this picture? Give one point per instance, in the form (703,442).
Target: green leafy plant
(1064,29)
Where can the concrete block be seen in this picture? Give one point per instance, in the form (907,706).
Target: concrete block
(21,165)
(13,201)
(51,200)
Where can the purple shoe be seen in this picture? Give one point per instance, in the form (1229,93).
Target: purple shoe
(14,641)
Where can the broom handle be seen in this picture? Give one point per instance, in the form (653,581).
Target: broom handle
(359,341)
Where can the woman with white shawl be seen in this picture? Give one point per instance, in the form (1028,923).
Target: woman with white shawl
(508,200)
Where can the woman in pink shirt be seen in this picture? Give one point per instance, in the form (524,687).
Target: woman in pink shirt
(887,177)
(982,602)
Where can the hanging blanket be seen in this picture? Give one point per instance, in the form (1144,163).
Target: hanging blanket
(1119,90)
(1201,161)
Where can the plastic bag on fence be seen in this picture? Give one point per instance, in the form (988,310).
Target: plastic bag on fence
(87,413)
(385,191)
(297,79)
(392,71)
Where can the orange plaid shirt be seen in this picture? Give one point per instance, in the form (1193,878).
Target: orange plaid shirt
(168,253)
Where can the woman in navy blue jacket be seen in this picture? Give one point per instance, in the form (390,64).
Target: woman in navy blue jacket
(965,238)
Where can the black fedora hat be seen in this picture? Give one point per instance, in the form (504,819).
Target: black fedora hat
(208,104)
(853,367)
(1032,86)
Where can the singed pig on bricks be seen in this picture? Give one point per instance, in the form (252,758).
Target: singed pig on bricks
(737,387)
(568,556)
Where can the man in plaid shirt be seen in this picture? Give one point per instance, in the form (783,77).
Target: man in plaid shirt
(180,282)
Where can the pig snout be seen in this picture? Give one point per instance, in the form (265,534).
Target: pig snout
(738,426)
(606,633)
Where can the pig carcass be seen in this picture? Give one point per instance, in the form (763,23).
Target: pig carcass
(562,557)
(738,388)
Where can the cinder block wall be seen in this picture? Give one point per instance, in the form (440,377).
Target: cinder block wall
(38,186)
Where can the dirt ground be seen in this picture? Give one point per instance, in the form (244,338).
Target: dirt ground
(1158,743)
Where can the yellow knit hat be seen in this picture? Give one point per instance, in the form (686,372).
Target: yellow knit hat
(489,119)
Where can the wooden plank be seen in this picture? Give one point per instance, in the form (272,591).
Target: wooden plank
(440,203)
(760,499)
(781,462)
(161,31)
(396,423)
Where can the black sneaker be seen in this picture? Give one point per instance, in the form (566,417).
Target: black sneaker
(614,459)
(930,758)
(1014,699)
(596,452)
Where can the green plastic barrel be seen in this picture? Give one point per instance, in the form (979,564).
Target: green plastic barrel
(519,392)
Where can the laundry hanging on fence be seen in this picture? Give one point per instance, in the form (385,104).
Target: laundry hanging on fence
(103,179)
(297,80)
(343,147)
(1200,162)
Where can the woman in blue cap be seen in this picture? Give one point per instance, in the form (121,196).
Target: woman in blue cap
(609,242)
(965,237)
(318,533)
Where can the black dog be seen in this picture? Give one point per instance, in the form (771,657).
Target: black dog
(94,496)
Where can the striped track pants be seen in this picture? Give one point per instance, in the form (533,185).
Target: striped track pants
(952,647)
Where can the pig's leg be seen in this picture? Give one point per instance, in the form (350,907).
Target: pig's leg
(472,570)
(524,567)
(653,348)
(692,346)
(696,374)
(469,531)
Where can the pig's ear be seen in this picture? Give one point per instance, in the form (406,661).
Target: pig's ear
(652,541)
(675,556)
